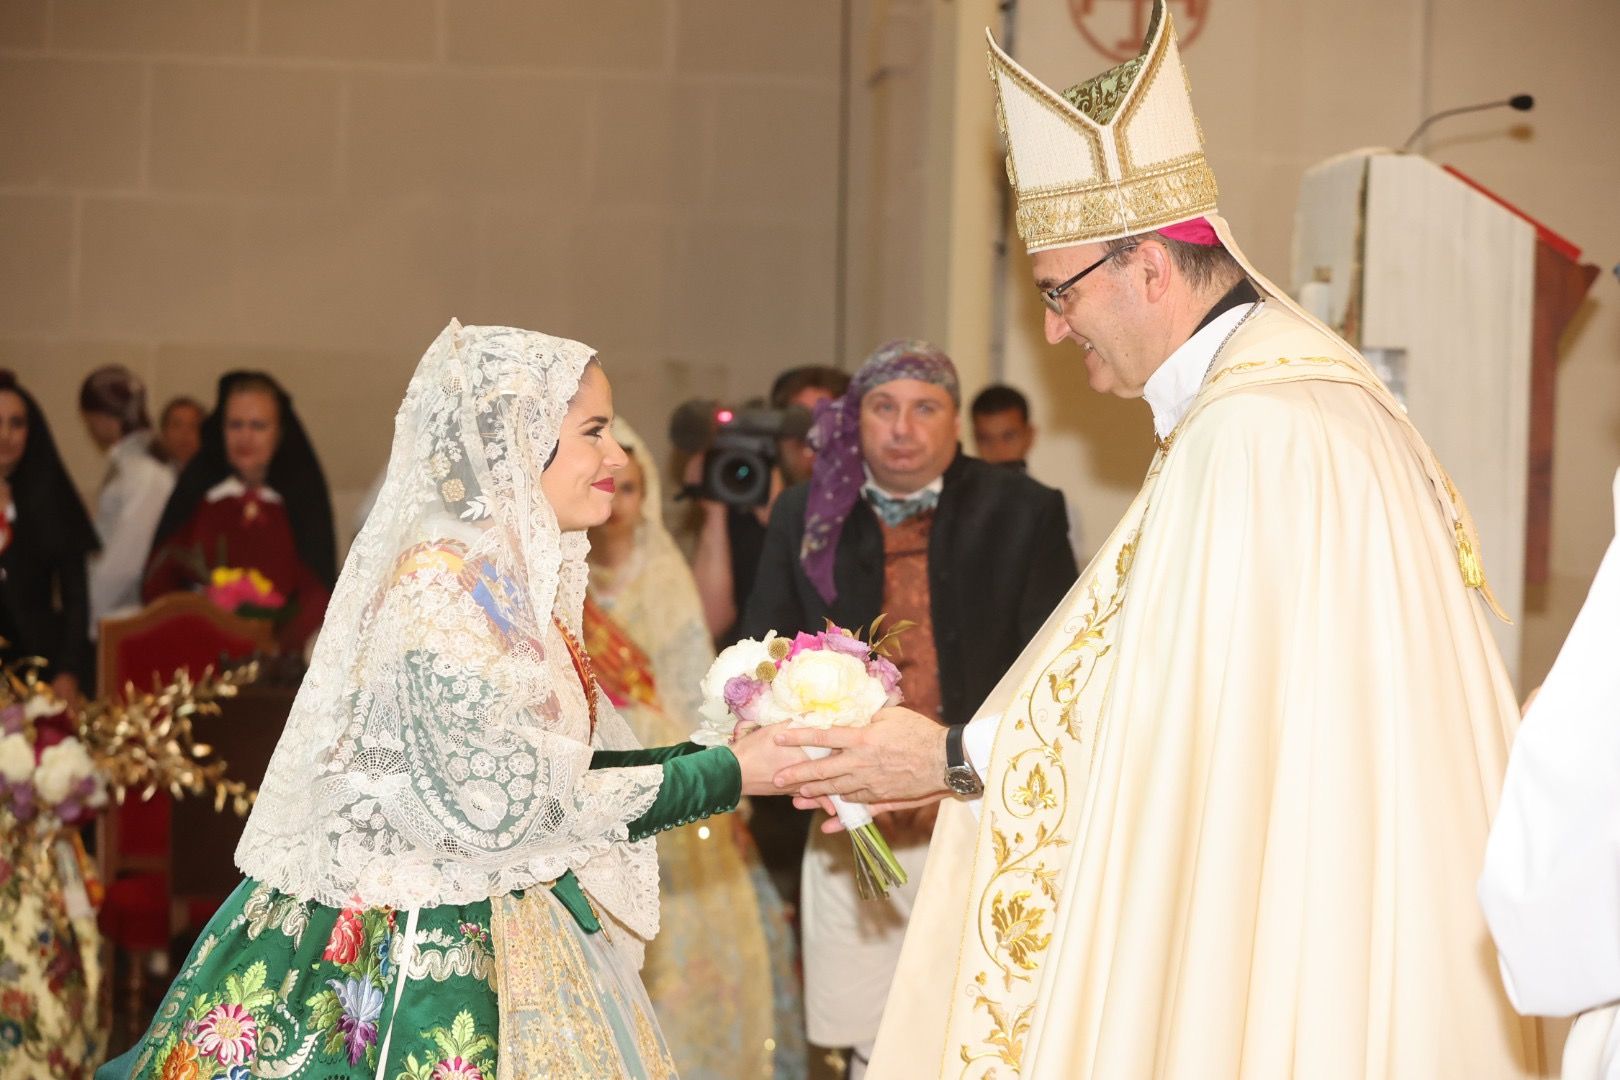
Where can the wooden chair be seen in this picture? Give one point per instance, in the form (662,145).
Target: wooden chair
(139,916)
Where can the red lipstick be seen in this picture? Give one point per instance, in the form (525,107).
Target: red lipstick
(606,484)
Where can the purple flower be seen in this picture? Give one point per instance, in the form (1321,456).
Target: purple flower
(740,692)
(11,719)
(841,642)
(22,801)
(362,1004)
(881,669)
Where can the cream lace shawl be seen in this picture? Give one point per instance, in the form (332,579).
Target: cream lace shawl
(438,750)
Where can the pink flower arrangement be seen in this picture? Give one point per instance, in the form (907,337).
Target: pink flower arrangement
(244,592)
(830,679)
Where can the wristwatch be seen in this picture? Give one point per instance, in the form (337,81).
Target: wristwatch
(960,776)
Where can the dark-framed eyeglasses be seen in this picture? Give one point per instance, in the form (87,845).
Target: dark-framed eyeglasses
(1053,297)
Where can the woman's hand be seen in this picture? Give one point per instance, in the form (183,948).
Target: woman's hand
(761,759)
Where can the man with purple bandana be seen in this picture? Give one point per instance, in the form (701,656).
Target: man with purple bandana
(896,520)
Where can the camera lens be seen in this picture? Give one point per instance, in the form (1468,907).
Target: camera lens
(739,477)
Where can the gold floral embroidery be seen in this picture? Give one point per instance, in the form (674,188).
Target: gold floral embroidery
(1006,1032)
(1018,929)
(453,490)
(551,1019)
(1099,97)
(1019,901)
(1036,792)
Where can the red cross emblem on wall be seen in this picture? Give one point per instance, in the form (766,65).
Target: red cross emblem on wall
(1115,28)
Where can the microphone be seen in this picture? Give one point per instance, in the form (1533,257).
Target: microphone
(1521,102)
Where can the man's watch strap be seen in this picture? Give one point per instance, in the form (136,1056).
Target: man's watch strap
(960,775)
(955,755)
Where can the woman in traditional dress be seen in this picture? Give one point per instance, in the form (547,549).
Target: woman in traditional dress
(645,633)
(45,538)
(449,871)
(253,498)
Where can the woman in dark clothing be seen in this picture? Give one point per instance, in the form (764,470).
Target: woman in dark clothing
(253,498)
(45,537)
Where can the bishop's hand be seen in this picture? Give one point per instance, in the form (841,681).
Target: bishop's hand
(899,757)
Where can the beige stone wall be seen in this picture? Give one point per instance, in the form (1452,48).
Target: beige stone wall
(1282,84)
(316,186)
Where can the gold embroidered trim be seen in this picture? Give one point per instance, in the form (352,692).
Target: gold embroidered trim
(1018,904)
(1082,124)
(1107,210)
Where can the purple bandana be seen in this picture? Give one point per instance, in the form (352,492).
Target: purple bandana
(837,478)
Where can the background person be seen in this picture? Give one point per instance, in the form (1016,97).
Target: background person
(134,489)
(1002,433)
(897,520)
(180,431)
(45,538)
(644,632)
(730,539)
(254,497)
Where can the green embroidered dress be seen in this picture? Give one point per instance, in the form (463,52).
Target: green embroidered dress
(278,987)
(449,876)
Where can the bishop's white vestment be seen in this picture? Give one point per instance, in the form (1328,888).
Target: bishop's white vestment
(1242,779)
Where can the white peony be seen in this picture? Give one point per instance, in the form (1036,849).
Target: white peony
(39,705)
(16,759)
(60,767)
(828,689)
(743,658)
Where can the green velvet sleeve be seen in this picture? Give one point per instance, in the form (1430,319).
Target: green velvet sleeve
(698,782)
(652,755)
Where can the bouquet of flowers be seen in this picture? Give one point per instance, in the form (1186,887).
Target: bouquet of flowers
(47,777)
(830,679)
(245,592)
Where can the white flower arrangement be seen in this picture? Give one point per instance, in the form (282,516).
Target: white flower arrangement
(830,679)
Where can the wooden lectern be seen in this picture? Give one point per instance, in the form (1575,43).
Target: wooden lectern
(1458,300)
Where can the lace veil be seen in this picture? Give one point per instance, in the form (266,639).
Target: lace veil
(438,750)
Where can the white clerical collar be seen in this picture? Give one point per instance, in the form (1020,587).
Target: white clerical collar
(937,486)
(232,488)
(1170,390)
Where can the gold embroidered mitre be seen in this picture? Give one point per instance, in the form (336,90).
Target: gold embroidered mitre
(1117,155)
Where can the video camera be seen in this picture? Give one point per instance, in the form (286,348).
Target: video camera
(738,446)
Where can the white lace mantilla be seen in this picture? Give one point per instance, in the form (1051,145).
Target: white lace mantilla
(438,750)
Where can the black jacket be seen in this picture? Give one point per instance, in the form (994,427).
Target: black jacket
(45,607)
(998,563)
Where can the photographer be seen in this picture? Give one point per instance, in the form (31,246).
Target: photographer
(730,539)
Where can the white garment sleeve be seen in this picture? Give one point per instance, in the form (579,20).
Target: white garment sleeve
(130,509)
(978,744)
(1551,884)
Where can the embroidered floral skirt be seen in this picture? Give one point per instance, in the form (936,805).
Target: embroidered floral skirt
(49,965)
(278,987)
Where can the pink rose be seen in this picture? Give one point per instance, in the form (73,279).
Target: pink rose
(886,673)
(843,641)
(348,935)
(740,692)
(803,642)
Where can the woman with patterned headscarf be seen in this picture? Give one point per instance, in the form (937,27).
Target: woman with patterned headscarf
(645,633)
(449,867)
